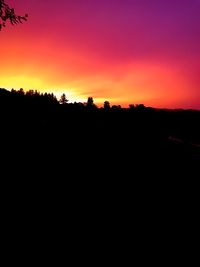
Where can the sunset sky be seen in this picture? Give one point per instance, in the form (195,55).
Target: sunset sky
(124,51)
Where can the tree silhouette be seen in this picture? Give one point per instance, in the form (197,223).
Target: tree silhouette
(63,100)
(132,106)
(140,107)
(8,14)
(21,91)
(106,105)
(90,102)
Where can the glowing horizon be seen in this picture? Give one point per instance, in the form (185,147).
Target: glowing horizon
(126,52)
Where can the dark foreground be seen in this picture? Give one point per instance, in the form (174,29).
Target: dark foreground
(124,175)
(40,137)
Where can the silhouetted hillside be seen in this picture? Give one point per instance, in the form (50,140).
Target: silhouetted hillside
(121,140)
(123,168)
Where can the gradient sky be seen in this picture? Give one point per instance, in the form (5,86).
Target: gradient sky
(124,51)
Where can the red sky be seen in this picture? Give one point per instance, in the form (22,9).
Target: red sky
(130,51)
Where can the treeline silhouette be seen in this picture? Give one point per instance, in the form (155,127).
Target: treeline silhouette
(136,162)
(43,127)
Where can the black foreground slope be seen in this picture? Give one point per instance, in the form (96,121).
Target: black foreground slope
(38,134)
(110,176)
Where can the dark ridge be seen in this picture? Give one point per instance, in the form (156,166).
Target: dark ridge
(105,170)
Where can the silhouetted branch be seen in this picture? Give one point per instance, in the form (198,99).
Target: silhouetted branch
(8,14)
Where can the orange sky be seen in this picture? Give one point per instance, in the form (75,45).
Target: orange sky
(107,56)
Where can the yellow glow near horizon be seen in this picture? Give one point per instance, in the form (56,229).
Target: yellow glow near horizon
(153,84)
(27,83)
(24,82)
